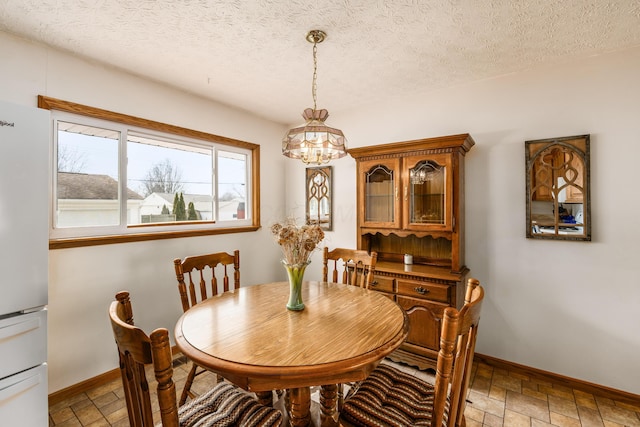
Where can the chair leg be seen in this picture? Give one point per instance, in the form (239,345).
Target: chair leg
(186,391)
(340,397)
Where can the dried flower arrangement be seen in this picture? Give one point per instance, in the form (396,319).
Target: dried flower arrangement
(297,242)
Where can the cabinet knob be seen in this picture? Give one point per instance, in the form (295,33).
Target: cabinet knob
(421,290)
(374,283)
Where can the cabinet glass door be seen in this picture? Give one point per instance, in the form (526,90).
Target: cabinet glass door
(428,192)
(380,183)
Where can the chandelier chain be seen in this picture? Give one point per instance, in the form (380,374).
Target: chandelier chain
(314,85)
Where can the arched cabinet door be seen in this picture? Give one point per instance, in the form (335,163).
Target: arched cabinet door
(558,194)
(427,192)
(378,193)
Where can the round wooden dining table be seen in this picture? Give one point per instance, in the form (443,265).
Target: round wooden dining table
(250,338)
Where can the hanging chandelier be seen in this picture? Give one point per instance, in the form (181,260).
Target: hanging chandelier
(314,142)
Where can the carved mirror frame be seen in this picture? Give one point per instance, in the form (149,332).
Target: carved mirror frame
(558,188)
(319,197)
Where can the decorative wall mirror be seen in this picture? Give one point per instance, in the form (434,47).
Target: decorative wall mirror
(318,188)
(558,197)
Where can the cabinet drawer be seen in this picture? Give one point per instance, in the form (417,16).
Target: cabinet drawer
(382,284)
(430,291)
(23,342)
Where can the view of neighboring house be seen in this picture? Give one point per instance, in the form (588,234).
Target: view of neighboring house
(92,200)
(151,207)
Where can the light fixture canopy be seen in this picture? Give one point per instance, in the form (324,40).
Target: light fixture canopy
(314,142)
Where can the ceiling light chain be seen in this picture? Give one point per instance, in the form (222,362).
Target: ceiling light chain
(314,85)
(314,142)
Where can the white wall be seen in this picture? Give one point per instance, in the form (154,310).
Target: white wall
(564,307)
(83,281)
(569,308)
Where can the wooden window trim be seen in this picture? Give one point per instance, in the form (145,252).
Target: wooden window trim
(48,103)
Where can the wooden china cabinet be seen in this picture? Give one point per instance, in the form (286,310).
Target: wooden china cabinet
(411,201)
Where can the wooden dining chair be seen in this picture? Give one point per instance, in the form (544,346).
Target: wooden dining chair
(393,397)
(225,404)
(349,266)
(201,277)
(352,267)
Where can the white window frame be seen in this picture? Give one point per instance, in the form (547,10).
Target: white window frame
(83,236)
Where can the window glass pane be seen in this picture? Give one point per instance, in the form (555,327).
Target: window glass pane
(121,178)
(87,176)
(171,181)
(232,188)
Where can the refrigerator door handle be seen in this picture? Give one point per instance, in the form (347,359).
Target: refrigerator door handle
(20,386)
(18,328)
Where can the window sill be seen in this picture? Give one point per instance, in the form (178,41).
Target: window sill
(140,237)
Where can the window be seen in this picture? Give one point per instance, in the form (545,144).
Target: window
(118,178)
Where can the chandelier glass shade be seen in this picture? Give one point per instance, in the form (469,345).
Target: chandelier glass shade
(314,142)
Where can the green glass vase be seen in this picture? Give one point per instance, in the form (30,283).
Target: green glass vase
(295,272)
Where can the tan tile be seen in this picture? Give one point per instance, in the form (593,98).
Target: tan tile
(538,423)
(471,412)
(484,371)
(527,405)
(586,400)
(628,406)
(604,401)
(73,422)
(88,414)
(103,389)
(612,424)
(529,385)
(498,393)
(61,415)
(500,371)
(486,404)
(118,415)
(589,417)
(105,399)
(121,423)
(68,402)
(81,404)
(534,393)
(562,392)
(507,382)
(563,421)
(582,394)
(619,415)
(541,383)
(519,376)
(563,406)
(481,385)
(113,407)
(99,423)
(119,392)
(474,423)
(491,420)
(516,419)
(562,388)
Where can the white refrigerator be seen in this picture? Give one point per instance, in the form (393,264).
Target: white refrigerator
(24,228)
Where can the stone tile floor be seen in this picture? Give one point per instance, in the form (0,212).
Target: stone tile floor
(496,398)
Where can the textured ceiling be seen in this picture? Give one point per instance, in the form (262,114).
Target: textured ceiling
(252,54)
